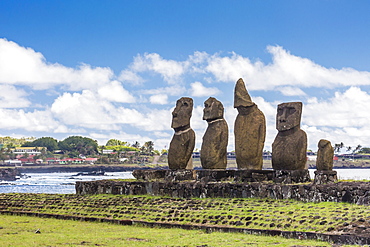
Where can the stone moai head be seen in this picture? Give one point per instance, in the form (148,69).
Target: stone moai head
(323,143)
(182,113)
(288,116)
(213,109)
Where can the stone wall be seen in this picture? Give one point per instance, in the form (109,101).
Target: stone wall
(352,192)
(8,174)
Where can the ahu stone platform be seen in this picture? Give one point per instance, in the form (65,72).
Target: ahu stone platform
(278,184)
(352,192)
(221,175)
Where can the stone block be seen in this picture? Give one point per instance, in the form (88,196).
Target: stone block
(325,177)
(291,176)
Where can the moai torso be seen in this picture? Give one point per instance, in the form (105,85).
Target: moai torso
(213,154)
(325,155)
(249,130)
(183,141)
(290,145)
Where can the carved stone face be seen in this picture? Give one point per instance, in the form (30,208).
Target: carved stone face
(182,113)
(288,115)
(323,143)
(213,109)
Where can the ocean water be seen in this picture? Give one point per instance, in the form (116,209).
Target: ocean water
(64,183)
(345,174)
(53,183)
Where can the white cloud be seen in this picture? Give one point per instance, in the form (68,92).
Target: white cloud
(30,121)
(114,92)
(173,90)
(24,66)
(291,91)
(198,90)
(160,99)
(130,76)
(170,70)
(93,101)
(342,118)
(12,97)
(83,110)
(285,70)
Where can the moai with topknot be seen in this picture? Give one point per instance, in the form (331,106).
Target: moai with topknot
(249,130)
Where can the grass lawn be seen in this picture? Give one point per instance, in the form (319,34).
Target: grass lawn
(20,231)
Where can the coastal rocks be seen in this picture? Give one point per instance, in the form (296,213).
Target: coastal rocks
(183,141)
(8,174)
(290,145)
(214,146)
(249,130)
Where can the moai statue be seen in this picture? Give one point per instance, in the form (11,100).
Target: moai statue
(324,161)
(183,141)
(290,145)
(214,146)
(249,130)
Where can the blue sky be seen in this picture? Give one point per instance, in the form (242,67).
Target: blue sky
(114,69)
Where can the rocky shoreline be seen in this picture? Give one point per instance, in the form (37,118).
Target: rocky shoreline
(49,169)
(9,174)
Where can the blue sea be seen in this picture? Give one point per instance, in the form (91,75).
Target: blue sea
(53,183)
(64,183)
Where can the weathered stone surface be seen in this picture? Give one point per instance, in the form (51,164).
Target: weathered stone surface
(325,155)
(352,192)
(290,145)
(8,174)
(325,177)
(249,130)
(205,175)
(148,175)
(183,141)
(292,176)
(214,147)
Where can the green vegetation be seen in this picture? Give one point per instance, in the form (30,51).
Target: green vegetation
(20,231)
(241,212)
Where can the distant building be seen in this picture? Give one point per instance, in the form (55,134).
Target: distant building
(28,150)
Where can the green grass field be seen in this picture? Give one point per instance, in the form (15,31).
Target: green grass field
(288,215)
(20,231)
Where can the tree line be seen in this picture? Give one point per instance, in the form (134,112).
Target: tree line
(75,146)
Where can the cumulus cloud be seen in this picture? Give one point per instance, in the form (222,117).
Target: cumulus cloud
(170,70)
(94,100)
(114,92)
(341,118)
(31,121)
(24,66)
(173,90)
(285,70)
(12,97)
(198,90)
(160,99)
(291,91)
